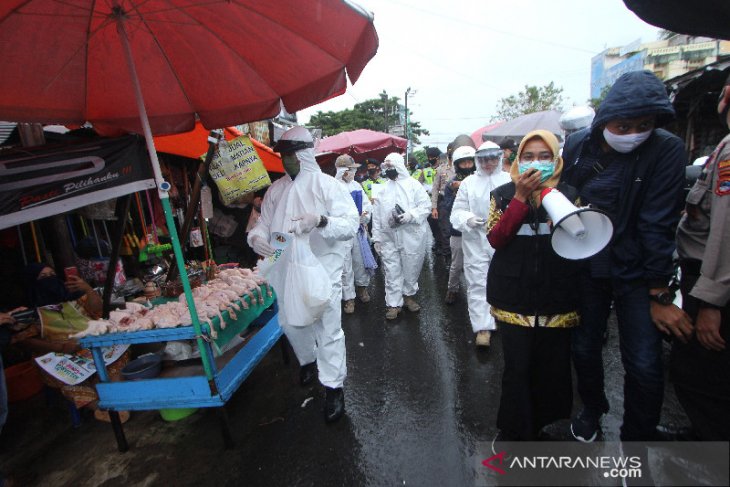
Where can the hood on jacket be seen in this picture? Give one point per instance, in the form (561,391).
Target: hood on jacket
(299,140)
(396,160)
(635,94)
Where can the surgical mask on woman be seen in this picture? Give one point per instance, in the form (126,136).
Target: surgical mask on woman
(546,168)
(625,143)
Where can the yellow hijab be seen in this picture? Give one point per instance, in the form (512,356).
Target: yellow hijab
(552,142)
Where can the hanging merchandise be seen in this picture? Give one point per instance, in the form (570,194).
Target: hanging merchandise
(237,169)
(206,202)
(196,237)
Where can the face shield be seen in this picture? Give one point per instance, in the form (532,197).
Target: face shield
(488,160)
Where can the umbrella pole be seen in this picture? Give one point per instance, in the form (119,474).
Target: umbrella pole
(162,188)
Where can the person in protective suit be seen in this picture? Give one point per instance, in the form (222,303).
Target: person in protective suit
(399,234)
(469,216)
(307,201)
(355,279)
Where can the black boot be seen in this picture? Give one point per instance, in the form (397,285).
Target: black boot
(307,373)
(334,404)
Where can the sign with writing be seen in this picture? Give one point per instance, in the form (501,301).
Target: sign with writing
(74,369)
(237,169)
(45,181)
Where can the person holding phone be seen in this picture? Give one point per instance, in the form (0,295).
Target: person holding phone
(532,293)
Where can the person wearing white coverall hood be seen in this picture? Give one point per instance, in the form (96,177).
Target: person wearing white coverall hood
(400,239)
(307,201)
(355,279)
(469,216)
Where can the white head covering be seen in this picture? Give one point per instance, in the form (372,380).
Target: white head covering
(396,160)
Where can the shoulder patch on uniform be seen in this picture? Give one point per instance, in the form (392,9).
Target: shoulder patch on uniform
(723,178)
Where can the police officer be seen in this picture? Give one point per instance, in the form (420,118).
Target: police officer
(373,177)
(700,364)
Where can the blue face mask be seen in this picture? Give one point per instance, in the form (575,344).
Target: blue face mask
(545,168)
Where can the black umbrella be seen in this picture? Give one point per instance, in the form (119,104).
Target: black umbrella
(709,18)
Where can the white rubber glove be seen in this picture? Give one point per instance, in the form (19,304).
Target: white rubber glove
(364,218)
(405,218)
(304,223)
(476,221)
(261,246)
(378,247)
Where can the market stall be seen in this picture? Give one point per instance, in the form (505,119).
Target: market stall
(43,181)
(155,67)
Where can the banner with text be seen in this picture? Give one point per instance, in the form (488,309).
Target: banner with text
(44,181)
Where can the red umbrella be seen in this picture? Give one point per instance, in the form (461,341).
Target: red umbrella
(360,144)
(477,135)
(228,61)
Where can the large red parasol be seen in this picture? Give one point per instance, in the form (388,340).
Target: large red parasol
(228,61)
(360,144)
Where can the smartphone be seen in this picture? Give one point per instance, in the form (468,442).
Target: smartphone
(71,271)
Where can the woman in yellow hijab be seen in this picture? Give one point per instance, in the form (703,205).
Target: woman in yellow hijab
(532,293)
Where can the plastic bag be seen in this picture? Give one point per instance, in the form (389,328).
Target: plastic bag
(301,283)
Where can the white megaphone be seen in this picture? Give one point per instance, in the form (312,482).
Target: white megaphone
(578,233)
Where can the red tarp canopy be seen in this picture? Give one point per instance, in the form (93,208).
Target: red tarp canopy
(360,144)
(193,144)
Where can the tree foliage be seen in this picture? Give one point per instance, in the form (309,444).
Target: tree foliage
(381,114)
(531,99)
(596,102)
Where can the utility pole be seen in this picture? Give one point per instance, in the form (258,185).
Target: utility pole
(384,95)
(407,131)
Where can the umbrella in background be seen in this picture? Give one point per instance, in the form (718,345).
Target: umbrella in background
(524,124)
(194,144)
(360,144)
(709,18)
(152,66)
(476,136)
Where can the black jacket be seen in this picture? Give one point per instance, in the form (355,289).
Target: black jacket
(526,276)
(650,199)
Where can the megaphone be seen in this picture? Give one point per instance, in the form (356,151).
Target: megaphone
(578,233)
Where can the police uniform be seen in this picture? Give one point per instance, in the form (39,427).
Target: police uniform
(702,377)
(367,186)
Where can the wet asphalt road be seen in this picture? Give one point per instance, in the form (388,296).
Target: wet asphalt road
(421,410)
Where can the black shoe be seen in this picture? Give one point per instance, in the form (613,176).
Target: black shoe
(334,404)
(307,373)
(586,426)
(673,433)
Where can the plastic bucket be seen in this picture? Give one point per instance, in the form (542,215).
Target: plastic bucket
(23,381)
(176,414)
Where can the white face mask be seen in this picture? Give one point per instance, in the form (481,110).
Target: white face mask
(349,176)
(625,143)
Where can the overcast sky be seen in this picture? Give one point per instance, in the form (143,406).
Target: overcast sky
(462,56)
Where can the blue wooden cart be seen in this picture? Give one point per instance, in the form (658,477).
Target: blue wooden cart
(190,387)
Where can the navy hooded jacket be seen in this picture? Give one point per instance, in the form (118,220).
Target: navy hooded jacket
(650,199)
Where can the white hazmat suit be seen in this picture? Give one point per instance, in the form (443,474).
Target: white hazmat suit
(403,247)
(312,192)
(354,273)
(472,205)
